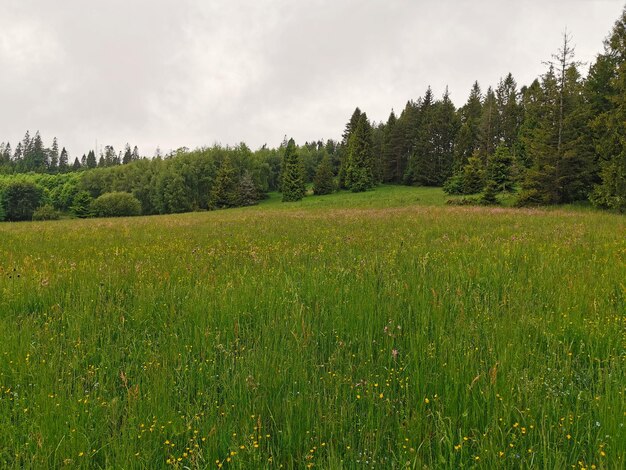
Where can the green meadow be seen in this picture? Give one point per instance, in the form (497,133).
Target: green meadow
(375,330)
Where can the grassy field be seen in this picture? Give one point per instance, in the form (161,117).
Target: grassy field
(378,330)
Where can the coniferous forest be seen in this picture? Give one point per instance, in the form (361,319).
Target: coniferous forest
(559,139)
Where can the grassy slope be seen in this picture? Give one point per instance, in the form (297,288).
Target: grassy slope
(342,331)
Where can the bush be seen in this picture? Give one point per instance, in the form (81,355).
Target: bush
(116,205)
(21,198)
(46,212)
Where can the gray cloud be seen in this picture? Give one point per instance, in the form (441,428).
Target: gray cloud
(193,72)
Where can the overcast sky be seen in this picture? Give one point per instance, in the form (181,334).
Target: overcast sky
(193,72)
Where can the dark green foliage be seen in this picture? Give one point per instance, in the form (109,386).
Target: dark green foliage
(489,130)
(489,196)
(46,212)
(344,148)
(91,159)
(467,141)
(63,161)
(324,181)
(81,205)
(173,194)
(225,192)
(611,192)
(359,166)
(473,175)
(499,169)
(2,210)
(117,204)
(248,194)
(454,184)
(21,198)
(292,174)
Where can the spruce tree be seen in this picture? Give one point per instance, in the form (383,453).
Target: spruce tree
(359,168)
(63,161)
(490,194)
(292,174)
(128,155)
(225,190)
(489,135)
(473,175)
(248,194)
(509,111)
(54,157)
(611,192)
(324,181)
(81,205)
(468,138)
(91,159)
(499,169)
(344,146)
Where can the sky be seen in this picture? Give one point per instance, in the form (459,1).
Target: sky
(174,73)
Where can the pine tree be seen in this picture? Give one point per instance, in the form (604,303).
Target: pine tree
(344,146)
(489,196)
(324,181)
(128,156)
(489,135)
(91,159)
(391,149)
(76,164)
(292,174)
(473,175)
(225,190)
(509,111)
(81,205)
(135,154)
(359,168)
(248,194)
(421,167)
(54,157)
(35,158)
(499,169)
(63,161)
(468,137)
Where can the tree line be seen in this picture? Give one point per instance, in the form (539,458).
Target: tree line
(560,139)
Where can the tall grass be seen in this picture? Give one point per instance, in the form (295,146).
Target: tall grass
(351,331)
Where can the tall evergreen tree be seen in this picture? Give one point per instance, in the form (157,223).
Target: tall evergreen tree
(63,161)
(128,155)
(611,192)
(489,135)
(53,157)
(344,146)
(509,111)
(359,168)
(225,191)
(324,182)
(76,164)
(292,174)
(468,137)
(91,159)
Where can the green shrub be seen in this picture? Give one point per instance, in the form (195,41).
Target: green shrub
(116,204)
(46,212)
